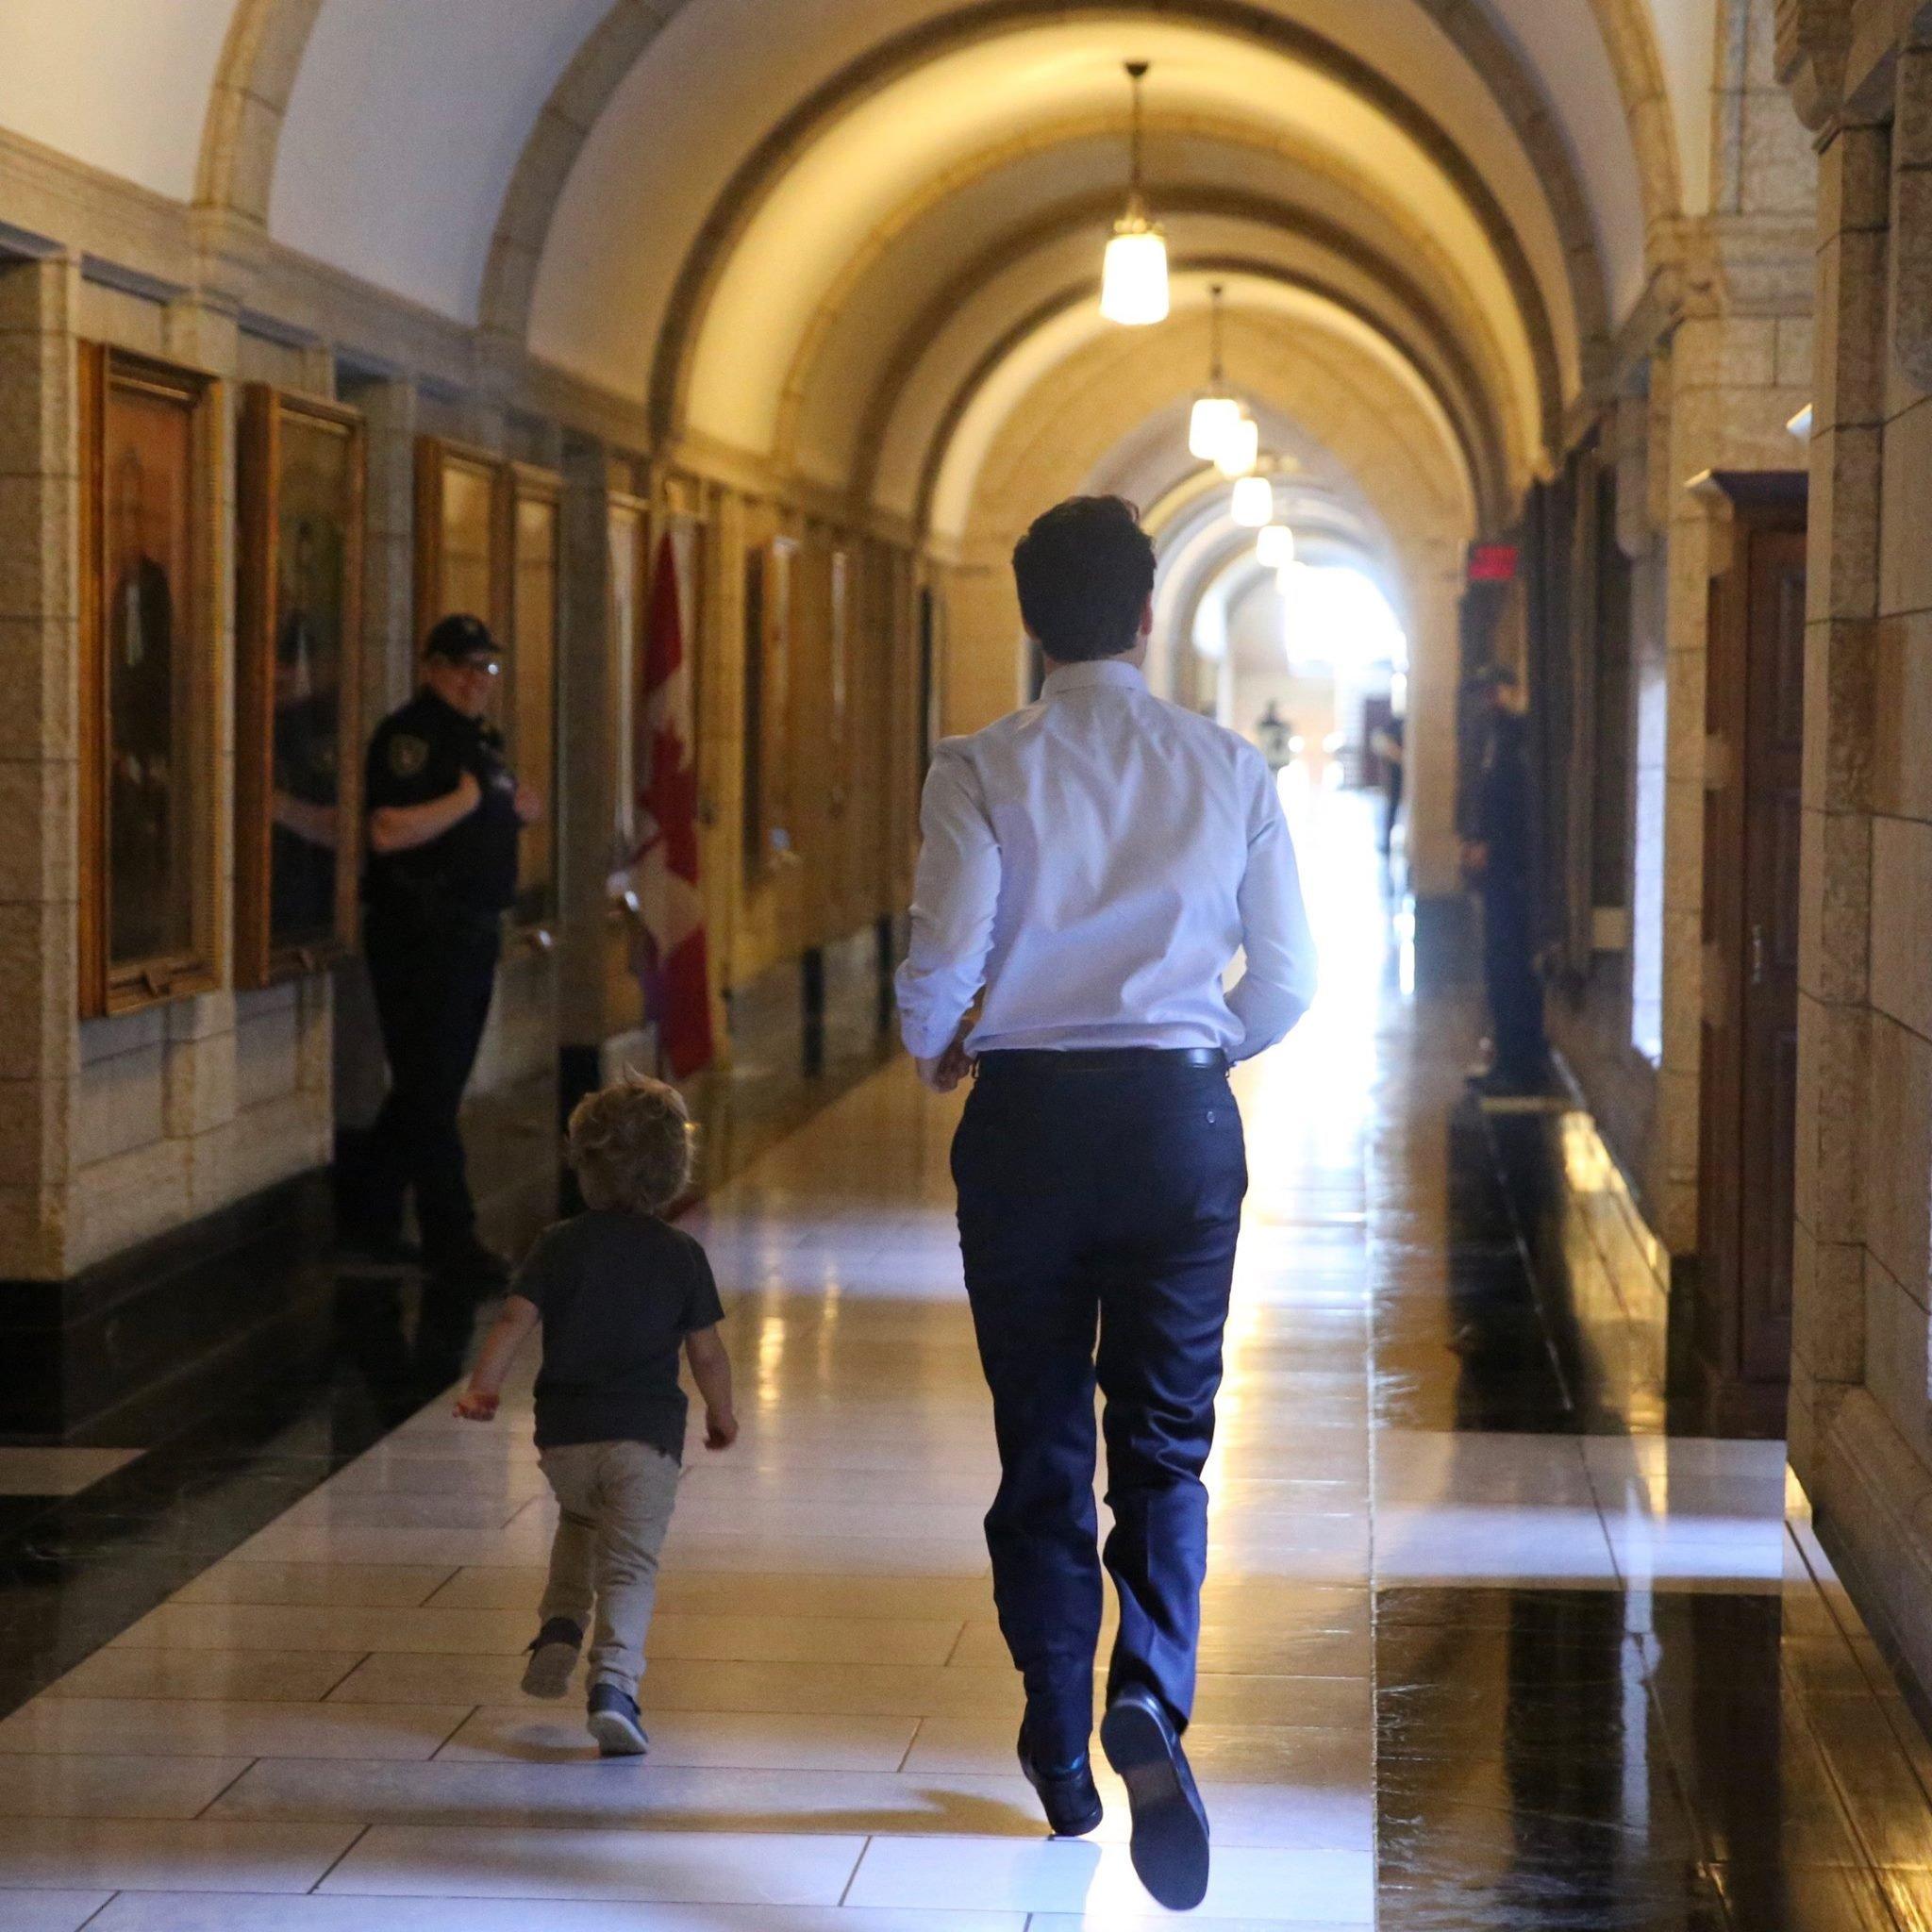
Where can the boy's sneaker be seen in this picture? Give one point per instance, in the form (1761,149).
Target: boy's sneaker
(613,1721)
(553,1656)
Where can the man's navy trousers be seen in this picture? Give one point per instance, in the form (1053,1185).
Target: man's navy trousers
(1099,1201)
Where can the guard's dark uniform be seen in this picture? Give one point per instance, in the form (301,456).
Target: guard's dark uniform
(432,924)
(1504,823)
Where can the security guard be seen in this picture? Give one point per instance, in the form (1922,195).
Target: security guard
(444,812)
(1499,863)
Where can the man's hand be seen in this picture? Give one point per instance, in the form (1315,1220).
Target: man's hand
(477,1405)
(721,1428)
(529,803)
(1475,859)
(944,1074)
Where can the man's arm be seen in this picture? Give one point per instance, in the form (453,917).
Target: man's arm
(955,896)
(1279,985)
(398,827)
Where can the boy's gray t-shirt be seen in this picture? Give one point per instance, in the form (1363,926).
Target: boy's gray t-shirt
(618,1293)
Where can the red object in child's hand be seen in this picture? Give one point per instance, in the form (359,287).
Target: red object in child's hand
(476,1405)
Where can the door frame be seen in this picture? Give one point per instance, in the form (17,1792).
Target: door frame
(1734,1389)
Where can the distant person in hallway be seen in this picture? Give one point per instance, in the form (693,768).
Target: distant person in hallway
(1275,734)
(1390,744)
(1092,865)
(1498,861)
(617,1292)
(445,814)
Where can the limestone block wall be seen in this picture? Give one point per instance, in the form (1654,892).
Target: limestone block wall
(1862,1396)
(118,1129)
(39,504)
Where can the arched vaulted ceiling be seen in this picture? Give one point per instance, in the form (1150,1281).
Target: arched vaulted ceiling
(839,247)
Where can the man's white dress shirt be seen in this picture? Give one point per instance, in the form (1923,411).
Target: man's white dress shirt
(1094,862)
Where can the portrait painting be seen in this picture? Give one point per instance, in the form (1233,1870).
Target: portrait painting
(146,816)
(299,576)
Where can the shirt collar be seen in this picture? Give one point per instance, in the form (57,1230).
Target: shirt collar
(1103,671)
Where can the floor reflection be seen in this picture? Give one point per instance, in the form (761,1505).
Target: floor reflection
(1484,1649)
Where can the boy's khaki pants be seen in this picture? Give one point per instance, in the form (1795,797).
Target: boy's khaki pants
(616,1499)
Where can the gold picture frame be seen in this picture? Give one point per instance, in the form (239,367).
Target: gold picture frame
(298,676)
(151,438)
(535,516)
(489,542)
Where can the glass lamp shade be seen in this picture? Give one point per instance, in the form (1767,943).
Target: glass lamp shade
(1240,449)
(1133,281)
(1254,503)
(1274,547)
(1214,420)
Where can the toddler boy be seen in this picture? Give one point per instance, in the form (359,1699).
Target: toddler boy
(617,1290)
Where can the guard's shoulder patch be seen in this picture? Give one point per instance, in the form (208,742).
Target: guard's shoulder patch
(408,753)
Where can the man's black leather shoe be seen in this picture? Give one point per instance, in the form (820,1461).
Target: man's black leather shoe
(1070,1798)
(1170,1844)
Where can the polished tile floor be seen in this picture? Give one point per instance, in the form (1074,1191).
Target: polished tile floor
(1484,1646)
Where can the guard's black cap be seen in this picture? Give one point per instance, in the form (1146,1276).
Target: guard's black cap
(461,638)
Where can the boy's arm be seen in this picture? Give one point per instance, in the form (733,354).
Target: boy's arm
(710,1369)
(511,1328)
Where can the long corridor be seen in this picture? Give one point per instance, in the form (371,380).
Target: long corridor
(1483,1648)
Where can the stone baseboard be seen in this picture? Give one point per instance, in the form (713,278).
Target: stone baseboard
(1872,1500)
(143,1338)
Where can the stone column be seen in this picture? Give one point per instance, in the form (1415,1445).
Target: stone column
(1435,681)
(1834,1033)
(388,675)
(588,724)
(983,652)
(40,506)
(388,573)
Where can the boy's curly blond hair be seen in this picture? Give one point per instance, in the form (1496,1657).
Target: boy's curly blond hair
(631,1144)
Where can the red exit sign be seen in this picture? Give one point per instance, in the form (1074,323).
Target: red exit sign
(1492,563)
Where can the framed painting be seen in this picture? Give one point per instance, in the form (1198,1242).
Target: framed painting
(462,552)
(297,678)
(151,438)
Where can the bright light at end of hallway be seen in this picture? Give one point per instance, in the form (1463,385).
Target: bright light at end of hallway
(1336,616)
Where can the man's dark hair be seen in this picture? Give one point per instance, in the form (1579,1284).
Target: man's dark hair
(1085,572)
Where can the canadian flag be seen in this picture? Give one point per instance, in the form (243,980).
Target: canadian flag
(671,944)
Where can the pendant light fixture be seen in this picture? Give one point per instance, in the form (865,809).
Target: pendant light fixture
(1216,414)
(1254,503)
(1241,448)
(1274,547)
(1133,281)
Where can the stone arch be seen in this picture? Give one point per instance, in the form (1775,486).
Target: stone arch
(267,40)
(1484,444)
(1457,346)
(982,371)
(1631,42)
(239,138)
(873,72)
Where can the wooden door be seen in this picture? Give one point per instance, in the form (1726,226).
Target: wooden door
(1754,735)
(1773,756)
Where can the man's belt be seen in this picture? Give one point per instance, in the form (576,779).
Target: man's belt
(1114,1059)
